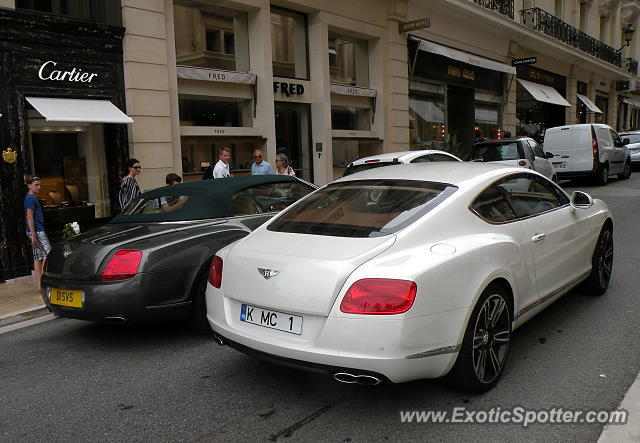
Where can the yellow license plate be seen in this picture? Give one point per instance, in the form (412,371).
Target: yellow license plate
(66,297)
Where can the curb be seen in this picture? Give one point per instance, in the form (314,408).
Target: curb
(18,317)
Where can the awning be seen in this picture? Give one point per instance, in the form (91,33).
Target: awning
(78,110)
(590,105)
(462,56)
(544,93)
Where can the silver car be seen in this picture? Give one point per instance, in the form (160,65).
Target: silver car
(632,140)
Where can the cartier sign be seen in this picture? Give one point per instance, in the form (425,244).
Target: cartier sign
(48,71)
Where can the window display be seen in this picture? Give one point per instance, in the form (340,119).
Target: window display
(289,43)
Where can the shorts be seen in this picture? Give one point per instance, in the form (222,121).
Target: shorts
(42,248)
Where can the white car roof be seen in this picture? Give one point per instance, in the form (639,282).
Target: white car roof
(402,156)
(579,125)
(461,174)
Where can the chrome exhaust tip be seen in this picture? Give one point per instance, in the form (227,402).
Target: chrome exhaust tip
(218,339)
(116,319)
(365,380)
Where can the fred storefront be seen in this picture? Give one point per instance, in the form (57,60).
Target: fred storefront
(61,120)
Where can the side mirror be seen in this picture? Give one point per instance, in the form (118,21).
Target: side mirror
(581,200)
(626,141)
(549,155)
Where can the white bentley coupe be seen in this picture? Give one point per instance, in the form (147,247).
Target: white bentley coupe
(409,272)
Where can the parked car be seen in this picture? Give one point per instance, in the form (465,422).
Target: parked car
(517,151)
(408,272)
(587,150)
(631,139)
(394,158)
(150,263)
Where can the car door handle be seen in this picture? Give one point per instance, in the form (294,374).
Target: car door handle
(564,156)
(538,238)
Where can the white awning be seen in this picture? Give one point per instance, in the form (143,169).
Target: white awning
(464,57)
(590,105)
(544,93)
(78,110)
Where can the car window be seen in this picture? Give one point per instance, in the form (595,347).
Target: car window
(633,138)
(421,159)
(524,195)
(352,169)
(267,197)
(537,150)
(616,139)
(156,205)
(496,152)
(442,158)
(363,208)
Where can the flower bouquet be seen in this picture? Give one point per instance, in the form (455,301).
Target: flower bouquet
(70,229)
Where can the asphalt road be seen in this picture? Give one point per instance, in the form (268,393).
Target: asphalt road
(66,380)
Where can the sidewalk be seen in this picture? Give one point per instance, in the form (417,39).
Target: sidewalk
(19,300)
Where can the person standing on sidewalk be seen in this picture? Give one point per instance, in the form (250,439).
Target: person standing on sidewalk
(34,219)
(129,188)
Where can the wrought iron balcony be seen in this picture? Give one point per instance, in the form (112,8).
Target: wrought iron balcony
(631,65)
(504,7)
(541,21)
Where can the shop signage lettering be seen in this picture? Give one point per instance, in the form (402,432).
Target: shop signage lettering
(534,75)
(48,72)
(288,89)
(218,131)
(524,61)
(455,71)
(414,24)
(217,76)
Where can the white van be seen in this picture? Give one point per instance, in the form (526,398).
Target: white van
(584,150)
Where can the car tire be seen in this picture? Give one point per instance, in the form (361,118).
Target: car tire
(601,263)
(626,172)
(602,176)
(198,315)
(481,360)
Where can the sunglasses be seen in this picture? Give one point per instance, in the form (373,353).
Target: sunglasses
(137,167)
(257,156)
(36,178)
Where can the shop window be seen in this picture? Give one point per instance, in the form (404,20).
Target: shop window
(348,60)
(350,118)
(70,162)
(347,150)
(289,44)
(426,121)
(198,153)
(212,111)
(487,121)
(581,108)
(99,11)
(602,102)
(211,37)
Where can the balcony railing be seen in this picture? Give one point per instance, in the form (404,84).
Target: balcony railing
(504,7)
(631,65)
(540,20)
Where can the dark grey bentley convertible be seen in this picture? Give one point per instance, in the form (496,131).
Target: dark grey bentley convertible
(151,262)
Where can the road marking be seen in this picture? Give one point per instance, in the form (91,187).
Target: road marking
(631,430)
(26,323)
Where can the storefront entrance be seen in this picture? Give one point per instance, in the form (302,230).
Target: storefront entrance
(293,136)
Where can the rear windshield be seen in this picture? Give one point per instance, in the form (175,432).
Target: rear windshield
(352,169)
(492,152)
(363,208)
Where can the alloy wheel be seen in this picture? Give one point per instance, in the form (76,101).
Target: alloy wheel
(605,259)
(491,338)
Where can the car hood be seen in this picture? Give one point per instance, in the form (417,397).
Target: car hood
(311,269)
(80,257)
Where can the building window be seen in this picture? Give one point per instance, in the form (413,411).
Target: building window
(350,118)
(604,29)
(348,60)
(581,108)
(487,118)
(583,16)
(289,44)
(198,153)
(602,102)
(559,11)
(211,37)
(426,116)
(212,111)
(108,12)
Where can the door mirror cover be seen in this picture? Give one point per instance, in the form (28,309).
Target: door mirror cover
(625,141)
(549,155)
(581,200)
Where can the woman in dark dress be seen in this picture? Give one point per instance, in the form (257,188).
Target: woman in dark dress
(129,188)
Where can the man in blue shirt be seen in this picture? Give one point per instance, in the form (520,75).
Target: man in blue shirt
(34,220)
(259,166)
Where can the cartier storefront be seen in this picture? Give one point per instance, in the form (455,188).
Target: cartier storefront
(61,119)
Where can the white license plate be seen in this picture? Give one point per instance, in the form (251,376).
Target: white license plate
(271,319)
(560,165)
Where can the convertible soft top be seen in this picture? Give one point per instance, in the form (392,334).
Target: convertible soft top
(207,198)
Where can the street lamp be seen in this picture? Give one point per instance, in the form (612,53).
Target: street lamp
(627,35)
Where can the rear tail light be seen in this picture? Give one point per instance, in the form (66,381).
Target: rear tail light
(595,148)
(379,296)
(122,265)
(215,272)
(522,163)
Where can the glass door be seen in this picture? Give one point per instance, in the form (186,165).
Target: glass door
(293,136)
